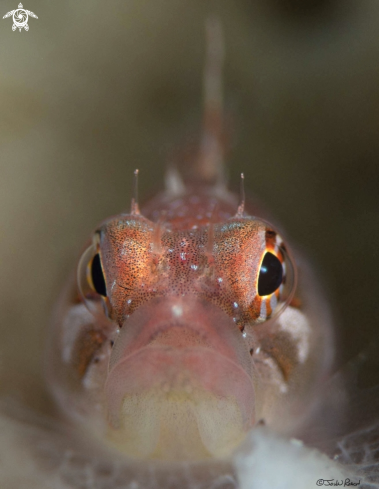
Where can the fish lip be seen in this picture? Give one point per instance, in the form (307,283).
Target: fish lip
(150,424)
(214,360)
(208,323)
(227,380)
(169,351)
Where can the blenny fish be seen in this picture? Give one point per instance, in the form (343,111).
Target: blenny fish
(190,321)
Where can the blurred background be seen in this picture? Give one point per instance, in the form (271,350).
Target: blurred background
(96,89)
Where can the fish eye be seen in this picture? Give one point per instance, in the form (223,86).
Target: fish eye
(91,282)
(96,276)
(270,275)
(276,280)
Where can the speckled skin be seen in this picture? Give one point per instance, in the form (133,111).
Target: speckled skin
(193,245)
(197,245)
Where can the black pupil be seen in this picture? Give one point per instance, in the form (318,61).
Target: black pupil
(97,276)
(270,275)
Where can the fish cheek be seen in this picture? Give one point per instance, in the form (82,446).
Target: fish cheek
(87,350)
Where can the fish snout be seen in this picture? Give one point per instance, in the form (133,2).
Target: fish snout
(180,382)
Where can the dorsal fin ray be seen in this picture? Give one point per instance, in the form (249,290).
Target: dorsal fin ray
(210,165)
(206,165)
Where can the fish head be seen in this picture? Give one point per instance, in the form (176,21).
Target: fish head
(180,380)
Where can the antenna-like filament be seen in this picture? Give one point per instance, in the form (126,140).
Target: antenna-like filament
(134,207)
(241,207)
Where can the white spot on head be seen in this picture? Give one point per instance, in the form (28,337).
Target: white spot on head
(273,302)
(295,323)
(277,377)
(77,318)
(177,311)
(263,313)
(283,388)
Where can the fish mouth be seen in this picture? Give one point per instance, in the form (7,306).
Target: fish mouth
(180,383)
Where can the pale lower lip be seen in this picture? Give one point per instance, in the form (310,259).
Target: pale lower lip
(175,352)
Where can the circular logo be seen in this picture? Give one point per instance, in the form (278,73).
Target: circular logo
(20,18)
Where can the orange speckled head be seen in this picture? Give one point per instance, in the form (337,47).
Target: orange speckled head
(216,258)
(181,287)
